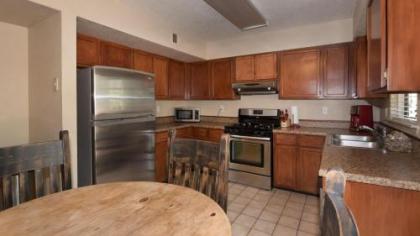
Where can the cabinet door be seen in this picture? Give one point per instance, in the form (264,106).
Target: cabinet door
(184,132)
(200,81)
(160,68)
(221,78)
(161,155)
(285,166)
(376,44)
(266,66)
(116,55)
(214,135)
(200,133)
(87,51)
(362,70)
(336,73)
(308,162)
(176,77)
(142,61)
(300,74)
(244,68)
(403,52)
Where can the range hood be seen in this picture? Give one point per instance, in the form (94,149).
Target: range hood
(255,88)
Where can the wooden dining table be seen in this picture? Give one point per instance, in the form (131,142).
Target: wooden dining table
(123,208)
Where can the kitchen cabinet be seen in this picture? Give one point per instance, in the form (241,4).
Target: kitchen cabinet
(361,69)
(87,51)
(336,82)
(116,55)
(285,159)
(200,80)
(161,156)
(142,61)
(393,48)
(265,66)
(256,67)
(244,68)
(176,78)
(300,74)
(186,132)
(297,159)
(207,134)
(380,210)
(221,79)
(160,69)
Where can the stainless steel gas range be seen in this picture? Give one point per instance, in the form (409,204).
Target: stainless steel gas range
(251,145)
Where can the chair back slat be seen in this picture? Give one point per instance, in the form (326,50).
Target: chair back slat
(196,164)
(34,170)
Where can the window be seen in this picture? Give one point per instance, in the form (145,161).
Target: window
(403,108)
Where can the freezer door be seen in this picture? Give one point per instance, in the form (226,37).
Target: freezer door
(124,151)
(122,93)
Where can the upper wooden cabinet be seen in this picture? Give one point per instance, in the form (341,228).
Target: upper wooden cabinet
(160,68)
(393,48)
(244,68)
(265,66)
(336,71)
(256,67)
(221,79)
(87,51)
(200,80)
(142,61)
(300,74)
(116,55)
(361,74)
(176,76)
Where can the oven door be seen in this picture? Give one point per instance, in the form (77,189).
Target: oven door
(250,154)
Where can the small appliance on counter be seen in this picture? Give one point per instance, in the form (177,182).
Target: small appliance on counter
(361,115)
(187,114)
(251,146)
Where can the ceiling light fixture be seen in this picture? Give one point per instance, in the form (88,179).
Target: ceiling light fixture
(241,13)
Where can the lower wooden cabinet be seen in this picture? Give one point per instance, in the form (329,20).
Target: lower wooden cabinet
(161,155)
(161,146)
(285,166)
(296,162)
(380,210)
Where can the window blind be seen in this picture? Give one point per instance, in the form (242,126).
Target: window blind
(404,107)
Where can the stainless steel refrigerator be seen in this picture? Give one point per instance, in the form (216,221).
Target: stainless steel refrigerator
(115,125)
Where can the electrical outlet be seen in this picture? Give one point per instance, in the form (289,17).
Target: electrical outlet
(157,109)
(221,108)
(325,110)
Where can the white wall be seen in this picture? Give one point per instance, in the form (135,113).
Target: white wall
(44,67)
(13,85)
(299,37)
(308,109)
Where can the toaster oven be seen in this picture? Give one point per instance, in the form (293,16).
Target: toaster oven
(187,114)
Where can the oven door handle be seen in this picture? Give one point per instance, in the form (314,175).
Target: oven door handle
(250,138)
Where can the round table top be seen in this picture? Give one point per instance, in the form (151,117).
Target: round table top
(126,208)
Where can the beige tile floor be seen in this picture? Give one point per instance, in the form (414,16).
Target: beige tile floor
(256,212)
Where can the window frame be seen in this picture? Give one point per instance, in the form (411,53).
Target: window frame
(405,122)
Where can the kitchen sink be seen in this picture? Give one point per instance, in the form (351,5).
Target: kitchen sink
(359,141)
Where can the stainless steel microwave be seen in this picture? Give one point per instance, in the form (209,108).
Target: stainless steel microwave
(187,114)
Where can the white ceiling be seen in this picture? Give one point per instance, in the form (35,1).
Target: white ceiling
(22,12)
(199,20)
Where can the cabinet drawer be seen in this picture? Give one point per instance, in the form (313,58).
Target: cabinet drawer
(184,132)
(287,139)
(214,135)
(161,137)
(311,141)
(200,133)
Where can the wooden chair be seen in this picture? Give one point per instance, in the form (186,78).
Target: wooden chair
(337,219)
(200,165)
(34,170)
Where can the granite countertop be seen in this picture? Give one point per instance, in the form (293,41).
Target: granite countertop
(400,170)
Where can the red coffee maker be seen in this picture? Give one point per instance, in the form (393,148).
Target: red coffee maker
(361,115)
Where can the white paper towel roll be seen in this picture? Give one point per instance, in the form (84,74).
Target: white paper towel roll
(295,115)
